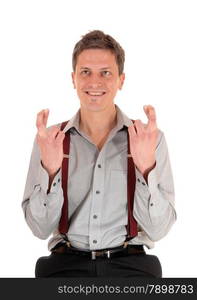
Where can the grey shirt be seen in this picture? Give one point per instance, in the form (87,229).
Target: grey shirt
(97,192)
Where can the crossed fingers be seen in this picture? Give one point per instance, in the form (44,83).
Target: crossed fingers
(151,115)
(52,133)
(141,129)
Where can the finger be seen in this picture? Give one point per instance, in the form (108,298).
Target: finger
(41,120)
(151,115)
(45,117)
(39,124)
(150,112)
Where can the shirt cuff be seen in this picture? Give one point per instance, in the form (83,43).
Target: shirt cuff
(43,180)
(151,178)
(140,180)
(151,186)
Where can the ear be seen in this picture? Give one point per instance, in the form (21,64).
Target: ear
(73,79)
(122,78)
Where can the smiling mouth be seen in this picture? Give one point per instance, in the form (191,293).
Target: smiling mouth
(95,94)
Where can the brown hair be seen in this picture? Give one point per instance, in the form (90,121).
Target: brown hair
(97,39)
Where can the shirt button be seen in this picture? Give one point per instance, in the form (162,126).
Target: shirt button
(138,180)
(94,241)
(54,184)
(99,166)
(97,192)
(95,216)
(44,204)
(58,179)
(151,204)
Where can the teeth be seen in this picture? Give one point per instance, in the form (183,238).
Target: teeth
(95,94)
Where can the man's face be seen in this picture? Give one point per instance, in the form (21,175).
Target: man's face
(96,79)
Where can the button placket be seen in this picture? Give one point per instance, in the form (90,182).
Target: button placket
(98,188)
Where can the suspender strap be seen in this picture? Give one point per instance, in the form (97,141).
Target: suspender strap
(63,224)
(131,179)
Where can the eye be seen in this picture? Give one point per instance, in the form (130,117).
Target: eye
(106,73)
(85,72)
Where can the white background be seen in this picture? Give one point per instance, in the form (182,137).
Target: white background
(37,39)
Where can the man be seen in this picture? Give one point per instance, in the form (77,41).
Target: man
(106,234)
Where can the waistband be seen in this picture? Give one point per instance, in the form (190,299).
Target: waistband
(125,249)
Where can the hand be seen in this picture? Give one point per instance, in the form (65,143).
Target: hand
(143,141)
(50,142)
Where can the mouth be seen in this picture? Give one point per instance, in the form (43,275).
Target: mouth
(95,93)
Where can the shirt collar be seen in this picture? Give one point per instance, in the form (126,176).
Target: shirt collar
(122,120)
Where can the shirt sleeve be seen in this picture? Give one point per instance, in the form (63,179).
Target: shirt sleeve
(42,211)
(154,200)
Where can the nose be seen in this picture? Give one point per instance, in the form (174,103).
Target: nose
(94,81)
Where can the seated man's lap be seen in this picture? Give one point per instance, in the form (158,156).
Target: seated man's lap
(124,266)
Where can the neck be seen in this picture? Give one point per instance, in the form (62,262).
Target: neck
(97,123)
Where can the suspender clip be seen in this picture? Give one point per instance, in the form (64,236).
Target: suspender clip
(93,255)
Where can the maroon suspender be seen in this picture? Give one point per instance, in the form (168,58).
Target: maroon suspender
(131,179)
(63,224)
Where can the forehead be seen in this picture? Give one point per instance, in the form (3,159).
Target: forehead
(96,58)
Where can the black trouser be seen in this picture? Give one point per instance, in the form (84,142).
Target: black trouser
(73,265)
